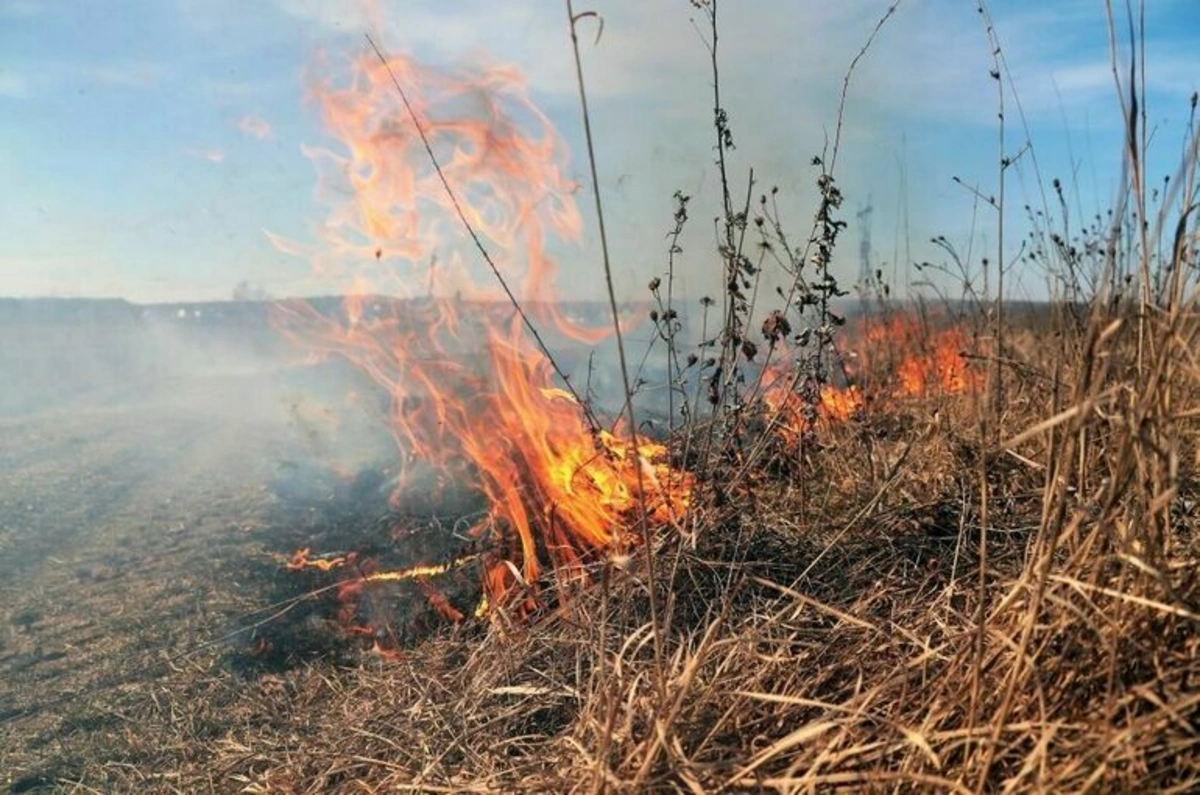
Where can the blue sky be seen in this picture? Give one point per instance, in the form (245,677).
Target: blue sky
(147,145)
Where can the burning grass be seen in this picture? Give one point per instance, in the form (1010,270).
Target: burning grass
(818,630)
(880,567)
(820,626)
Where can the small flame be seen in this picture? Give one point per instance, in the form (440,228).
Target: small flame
(795,417)
(419,572)
(897,357)
(300,560)
(927,361)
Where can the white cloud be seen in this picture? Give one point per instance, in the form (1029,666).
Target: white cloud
(255,127)
(650,83)
(227,90)
(782,66)
(645,48)
(13,86)
(21,8)
(931,61)
(214,156)
(1058,58)
(139,74)
(51,76)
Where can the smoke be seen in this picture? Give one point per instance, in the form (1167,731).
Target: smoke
(223,363)
(216,363)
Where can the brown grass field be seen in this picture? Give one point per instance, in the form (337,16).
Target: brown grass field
(893,606)
(855,572)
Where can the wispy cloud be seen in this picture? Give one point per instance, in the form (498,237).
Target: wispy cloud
(53,76)
(644,49)
(127,75)
(938,65)
(255,127)
(13,85)
(215,156)
(921,102)
(225,90)
(21,8)
(932,60)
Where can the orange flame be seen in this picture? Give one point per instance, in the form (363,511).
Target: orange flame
(926,360)
(300,561)
(469,391)
(902,358)
(791,409)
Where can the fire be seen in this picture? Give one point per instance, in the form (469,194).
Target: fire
(299,561)
(793,412)
(469,391)
(896,358)
(926,360)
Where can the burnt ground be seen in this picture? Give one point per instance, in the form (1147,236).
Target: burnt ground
(151,478)
(155,472)
(149,494)
(157,465)
(129,536)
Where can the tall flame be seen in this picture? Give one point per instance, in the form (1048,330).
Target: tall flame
(469,392)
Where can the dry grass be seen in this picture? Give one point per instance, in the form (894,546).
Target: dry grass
(829,635)
(995,592)
(822,628)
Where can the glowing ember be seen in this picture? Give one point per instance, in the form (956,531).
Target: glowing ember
(300,560)
(470,394)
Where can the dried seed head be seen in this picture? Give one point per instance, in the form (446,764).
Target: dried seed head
(776,326)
